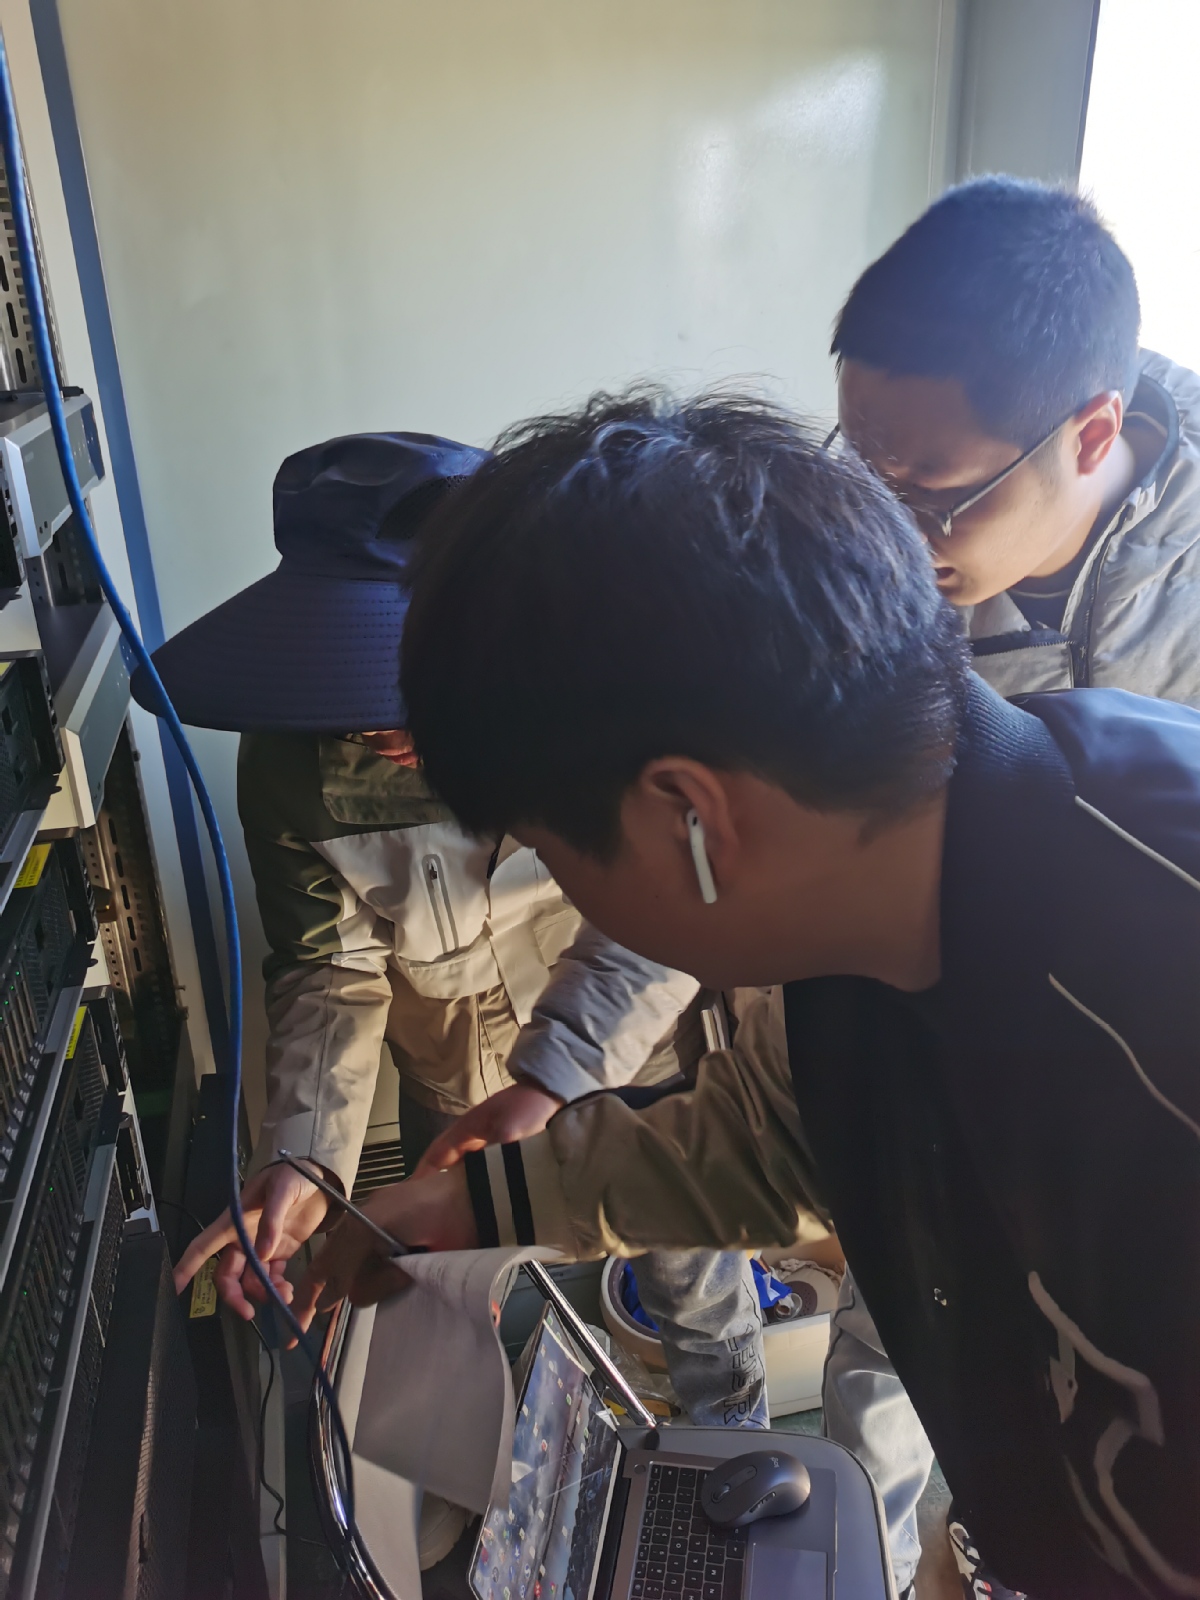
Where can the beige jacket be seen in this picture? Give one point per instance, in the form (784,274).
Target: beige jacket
(1133,615)
(386,922)
(727,1165)
(724,1165)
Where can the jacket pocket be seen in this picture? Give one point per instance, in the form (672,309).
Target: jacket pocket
(434,873)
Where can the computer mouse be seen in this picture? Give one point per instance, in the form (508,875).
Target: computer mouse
(762,1483)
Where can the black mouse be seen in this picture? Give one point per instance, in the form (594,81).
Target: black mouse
(762,1483)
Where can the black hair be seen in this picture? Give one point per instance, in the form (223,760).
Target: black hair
(645,577)
(1017,290)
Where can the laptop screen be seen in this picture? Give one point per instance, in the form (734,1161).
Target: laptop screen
(545,1543)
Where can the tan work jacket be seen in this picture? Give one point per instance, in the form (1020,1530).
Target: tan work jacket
(386,921)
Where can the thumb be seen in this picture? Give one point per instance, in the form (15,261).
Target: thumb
(447,1150)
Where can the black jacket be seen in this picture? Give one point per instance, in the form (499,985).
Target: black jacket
(1013,1158)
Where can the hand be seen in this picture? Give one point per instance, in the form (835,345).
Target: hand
(395,744)
(434,1211)
(511,1114)
(285,1209)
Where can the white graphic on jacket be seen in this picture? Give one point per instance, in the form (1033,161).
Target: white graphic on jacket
(1113,1407)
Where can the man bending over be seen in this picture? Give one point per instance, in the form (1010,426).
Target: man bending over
(745,740)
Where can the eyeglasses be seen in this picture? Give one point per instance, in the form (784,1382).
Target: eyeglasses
(931,518)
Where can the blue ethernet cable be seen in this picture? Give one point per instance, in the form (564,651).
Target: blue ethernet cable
(11,143)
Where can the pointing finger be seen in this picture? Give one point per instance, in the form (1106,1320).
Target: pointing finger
(214,1238)
(447,1150)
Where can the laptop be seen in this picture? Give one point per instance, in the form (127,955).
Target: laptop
(588,1518)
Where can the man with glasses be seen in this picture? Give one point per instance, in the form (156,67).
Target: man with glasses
(989,372)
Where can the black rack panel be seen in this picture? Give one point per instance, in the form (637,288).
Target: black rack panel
(120,865)
(30,753)
(45,932)
(131,1536)
(106,1031)
(39,1299)
(96,1308)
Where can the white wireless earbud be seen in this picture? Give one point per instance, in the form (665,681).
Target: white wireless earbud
(699,847)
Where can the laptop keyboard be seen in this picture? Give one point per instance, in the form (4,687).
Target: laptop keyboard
(679,1552)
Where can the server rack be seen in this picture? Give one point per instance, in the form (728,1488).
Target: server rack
(120,867)
(91,1066)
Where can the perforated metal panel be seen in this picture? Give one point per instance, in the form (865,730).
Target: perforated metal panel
(131,1531)
(45,1293)
(68,1479)
(19,367)
(161,1509)
(378,1165)
(30,1334)
(41,928)
(121,869)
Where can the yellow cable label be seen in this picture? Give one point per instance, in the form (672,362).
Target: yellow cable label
(76,1030)
(35,864)
(204,1290)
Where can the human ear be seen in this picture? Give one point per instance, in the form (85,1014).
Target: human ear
(1097,427)
(691,803)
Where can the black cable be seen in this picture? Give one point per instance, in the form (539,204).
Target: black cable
(261,1464)
(183,1211)
(276,1528)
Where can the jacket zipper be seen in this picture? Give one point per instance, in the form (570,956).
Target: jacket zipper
(1081,649)
(439,900)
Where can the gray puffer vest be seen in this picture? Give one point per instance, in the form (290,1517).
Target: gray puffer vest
(1132,620)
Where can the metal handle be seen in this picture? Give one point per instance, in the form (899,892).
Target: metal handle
(339,1199)
(347,1544)
(584,1337)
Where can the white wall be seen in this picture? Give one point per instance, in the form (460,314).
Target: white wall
(319,217)
(1141,156)
(41,163)
(1025,66)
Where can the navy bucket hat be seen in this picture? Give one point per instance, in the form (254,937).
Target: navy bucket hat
(314,647)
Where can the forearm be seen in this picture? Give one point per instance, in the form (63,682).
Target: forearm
(326,1032)
(723,1166)
(599,1019)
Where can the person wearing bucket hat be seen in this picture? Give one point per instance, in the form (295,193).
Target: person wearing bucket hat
(313,647)
(387,923)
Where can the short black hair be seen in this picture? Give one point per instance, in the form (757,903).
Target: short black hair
(1016,289)
(645,577)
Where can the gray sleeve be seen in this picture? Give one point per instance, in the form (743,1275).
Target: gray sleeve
(599,1018)
(327,1024)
